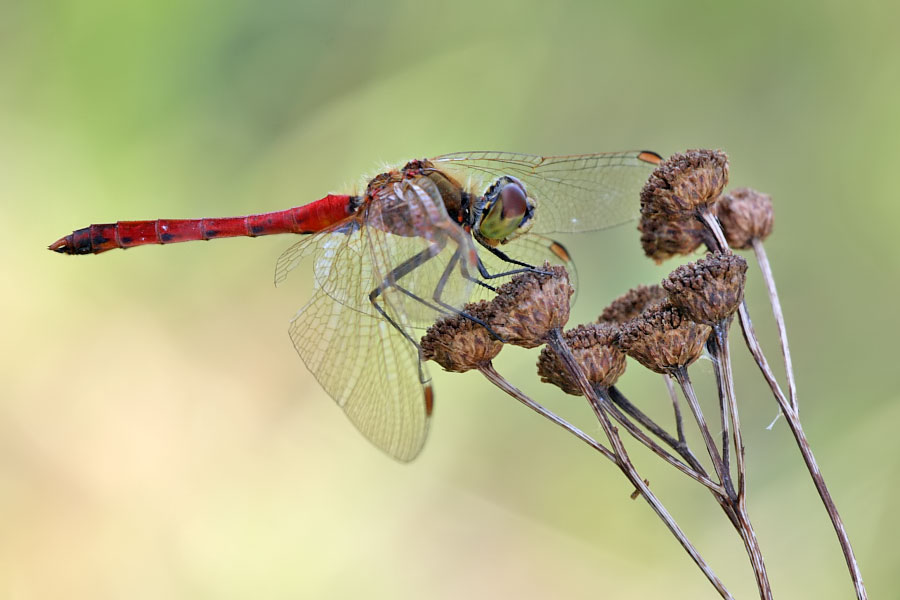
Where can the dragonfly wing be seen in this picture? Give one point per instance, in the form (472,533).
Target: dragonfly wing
(427,269)
(575,193)
(340,263)
(371,371)
(375,284)
(402,243)
(531,248)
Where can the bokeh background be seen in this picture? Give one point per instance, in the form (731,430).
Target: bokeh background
(159,437)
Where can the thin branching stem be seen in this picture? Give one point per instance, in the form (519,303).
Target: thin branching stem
(725,384)
(676,405)
(793,419)
(603,394)
(682,377)
(748,535)
(763,260)
(498,380)
(796,427)
(680,445)
(558,345)
(723,414)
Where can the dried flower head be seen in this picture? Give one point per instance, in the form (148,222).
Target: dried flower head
(710,289)
(663,339)
(530,305)
(594,347)
(745,215)
(632,303)
(459,344)
(684,183)
(662,239)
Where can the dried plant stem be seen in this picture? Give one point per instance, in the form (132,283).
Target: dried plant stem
(757,353)
(681,448)
(725,384)
(715,228)
(603,395)
(498,380)
(763,260)
(748,535)
(558,345)
(796,427)
(735,501)
(724,422)
(682,377)
(793,419)
(679,422)
(680,445)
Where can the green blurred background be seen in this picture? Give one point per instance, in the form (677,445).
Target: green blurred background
(159,437)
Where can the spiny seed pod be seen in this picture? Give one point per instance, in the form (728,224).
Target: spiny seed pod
(459,344)
(662,239)
(530,305)
(745,215)
(663,338)
(594,347)
(710,289)
(632,303)
(684,183)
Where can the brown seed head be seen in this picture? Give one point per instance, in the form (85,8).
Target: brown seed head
(530,305)
(663,338)
(632,303)
(594,347)
(710,289)
(684,183)
(662,239)
(745,214)
(459,344)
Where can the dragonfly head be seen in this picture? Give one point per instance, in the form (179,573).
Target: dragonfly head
(504,213)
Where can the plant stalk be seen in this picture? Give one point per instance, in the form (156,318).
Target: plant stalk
(558,345)
(498,380)
(763,260)
(793,419)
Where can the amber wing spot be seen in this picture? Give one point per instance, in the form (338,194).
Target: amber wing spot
(650,157)
(560,251)
(429,400)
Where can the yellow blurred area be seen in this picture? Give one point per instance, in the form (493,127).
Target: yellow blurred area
(159,437)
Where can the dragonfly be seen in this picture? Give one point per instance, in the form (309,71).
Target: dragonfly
(421,241)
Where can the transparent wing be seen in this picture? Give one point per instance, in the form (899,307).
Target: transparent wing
(375,284)
(370,370)
(572,193)
(403,245)
(426,261)
(532,249)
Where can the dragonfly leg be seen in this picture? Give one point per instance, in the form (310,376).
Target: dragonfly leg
(506,258)
(403,269)
(439,290)
(422,378)
(468,276)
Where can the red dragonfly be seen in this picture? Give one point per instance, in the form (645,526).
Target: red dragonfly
(391,261)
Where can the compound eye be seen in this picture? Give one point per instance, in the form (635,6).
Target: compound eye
(505,213)
(514,203)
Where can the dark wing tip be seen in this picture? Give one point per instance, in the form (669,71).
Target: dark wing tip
(648,156)
(560,251)
(429,400)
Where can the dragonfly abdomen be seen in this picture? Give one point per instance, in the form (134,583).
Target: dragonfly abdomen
(309,218)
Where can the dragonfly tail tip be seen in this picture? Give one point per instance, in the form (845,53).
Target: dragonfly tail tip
(62,246)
